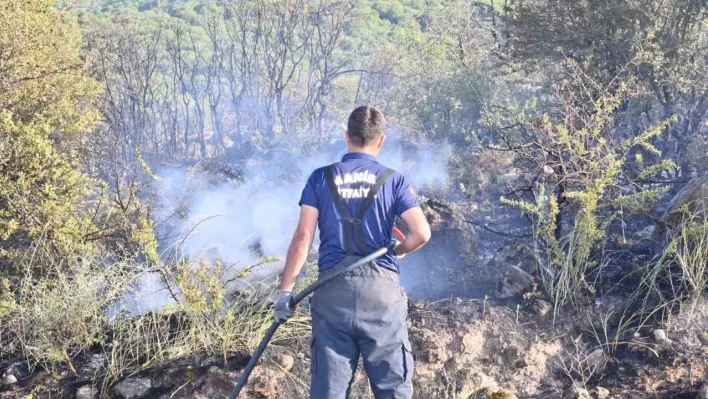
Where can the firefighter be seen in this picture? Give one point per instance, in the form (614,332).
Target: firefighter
(362,313)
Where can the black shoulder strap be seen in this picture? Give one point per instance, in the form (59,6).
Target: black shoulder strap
(359,230)
(347,220)
(372,193)
(353,227)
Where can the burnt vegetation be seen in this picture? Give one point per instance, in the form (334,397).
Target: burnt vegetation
(578,148)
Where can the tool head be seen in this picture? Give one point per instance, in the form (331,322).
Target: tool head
(399,234)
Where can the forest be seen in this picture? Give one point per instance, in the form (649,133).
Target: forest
(152,153)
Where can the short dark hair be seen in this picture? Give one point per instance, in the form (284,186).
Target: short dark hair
(365,125)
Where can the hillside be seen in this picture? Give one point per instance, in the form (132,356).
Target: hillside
(152,155)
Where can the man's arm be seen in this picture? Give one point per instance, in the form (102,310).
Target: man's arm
(300,246)
(418,231)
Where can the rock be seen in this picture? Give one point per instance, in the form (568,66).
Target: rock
(516,254)
(9,379)
(86,392)
(542,307)
(693,198)
(547,169)
(703,392)
(597,360)
(513,281)
(703,337)
(514,267)
(286,362)
(266,382)
(646,233)
(602,393)
(133,388)
(577,392)
(661,337)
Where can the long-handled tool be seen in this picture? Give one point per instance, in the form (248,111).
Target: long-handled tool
(241,382)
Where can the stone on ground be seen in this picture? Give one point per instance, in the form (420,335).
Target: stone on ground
(286,362)
(661,337)
(86,392)
(133,388)
(602,393)
(9,379)
(542,307)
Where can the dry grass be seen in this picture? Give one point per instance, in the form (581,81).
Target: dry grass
(580,362)
(680,275)
(82,308)
(53,318)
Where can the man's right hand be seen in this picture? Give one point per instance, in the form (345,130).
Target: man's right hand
(418,231)
(396,244)
(283,310)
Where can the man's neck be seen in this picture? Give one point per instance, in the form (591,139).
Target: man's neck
(364,150)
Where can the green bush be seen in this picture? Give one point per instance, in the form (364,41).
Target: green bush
(587,184)
(45,106)
(50,320)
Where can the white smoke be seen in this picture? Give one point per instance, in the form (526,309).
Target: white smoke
(241,223)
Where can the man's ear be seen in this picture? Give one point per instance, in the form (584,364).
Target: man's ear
(381,141)
(346,136)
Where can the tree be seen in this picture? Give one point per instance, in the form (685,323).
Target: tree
(46,105)
(660,44)
(579,177)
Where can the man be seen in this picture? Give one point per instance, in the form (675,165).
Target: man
(355,202)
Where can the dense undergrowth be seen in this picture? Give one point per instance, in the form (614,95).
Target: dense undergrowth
(82,309)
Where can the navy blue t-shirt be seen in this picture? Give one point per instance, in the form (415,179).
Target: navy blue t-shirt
(354,176)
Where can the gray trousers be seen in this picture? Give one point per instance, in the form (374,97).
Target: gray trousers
(361,313)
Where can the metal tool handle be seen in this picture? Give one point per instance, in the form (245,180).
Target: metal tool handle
(243,378)
(307,291)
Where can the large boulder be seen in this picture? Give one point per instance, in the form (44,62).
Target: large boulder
(133,388)
(444,267)
(690,201)
(513,268)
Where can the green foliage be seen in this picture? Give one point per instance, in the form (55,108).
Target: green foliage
(584,162)
(657,46)
(7,299)
(53,296)
(45,103)
(201,287)
(548,99)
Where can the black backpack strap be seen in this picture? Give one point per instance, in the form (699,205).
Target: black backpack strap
(372,193)
(359,229)
(347,220)
(354,227)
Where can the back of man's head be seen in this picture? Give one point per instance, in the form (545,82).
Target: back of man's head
(366,124)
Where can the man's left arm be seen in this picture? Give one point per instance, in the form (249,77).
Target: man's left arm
(300,246)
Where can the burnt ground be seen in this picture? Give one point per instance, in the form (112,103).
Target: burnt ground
(465,337)
(460,346)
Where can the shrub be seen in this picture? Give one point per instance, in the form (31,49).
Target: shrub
(50,320)
(680,274)
(45,106)
(583,181)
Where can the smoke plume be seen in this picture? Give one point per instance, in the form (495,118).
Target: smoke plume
(240,223)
